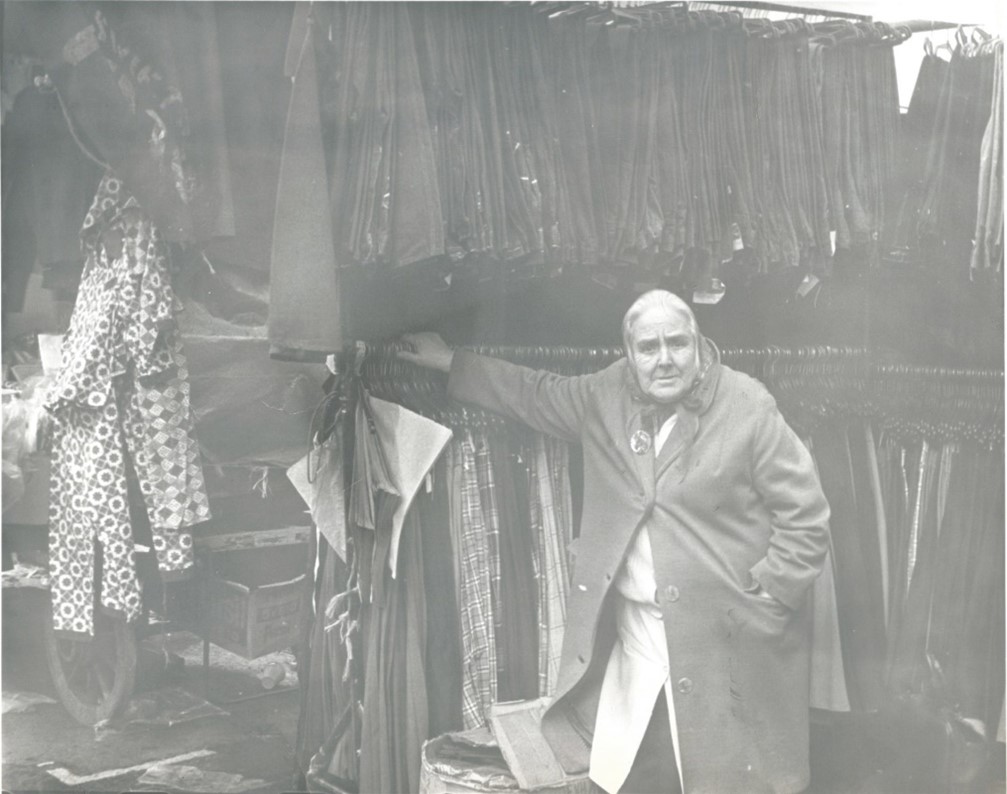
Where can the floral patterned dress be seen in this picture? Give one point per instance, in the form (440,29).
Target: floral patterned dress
(121,398)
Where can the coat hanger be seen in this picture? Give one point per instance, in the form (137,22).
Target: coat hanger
(569,11)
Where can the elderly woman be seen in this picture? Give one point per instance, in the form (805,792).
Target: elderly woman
(685,664)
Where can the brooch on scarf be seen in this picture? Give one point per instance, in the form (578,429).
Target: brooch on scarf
(639,442)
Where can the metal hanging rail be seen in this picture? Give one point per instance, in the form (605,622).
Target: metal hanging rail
(785,8)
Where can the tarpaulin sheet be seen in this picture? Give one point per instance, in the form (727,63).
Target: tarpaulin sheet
(249,409)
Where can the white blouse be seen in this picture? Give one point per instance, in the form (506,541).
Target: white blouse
(637,668)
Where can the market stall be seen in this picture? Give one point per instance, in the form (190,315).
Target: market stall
(229,241)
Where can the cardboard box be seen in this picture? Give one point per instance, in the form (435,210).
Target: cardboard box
(253,621)
(256,590)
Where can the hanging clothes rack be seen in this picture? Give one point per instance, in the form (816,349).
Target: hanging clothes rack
(812,383)
(760,6)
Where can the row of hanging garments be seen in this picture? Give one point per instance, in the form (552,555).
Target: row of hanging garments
(945,577)
(493,136)
(917,540)
(475,522)
(951,210)
(442,590)
(911,461)
(907,607)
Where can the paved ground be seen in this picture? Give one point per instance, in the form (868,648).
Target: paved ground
(249,736)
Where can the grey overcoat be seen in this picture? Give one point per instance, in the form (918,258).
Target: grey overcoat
(732,502)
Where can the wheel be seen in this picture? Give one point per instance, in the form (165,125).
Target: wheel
(94,676)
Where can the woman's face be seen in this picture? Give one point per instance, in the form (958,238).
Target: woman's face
(664,354)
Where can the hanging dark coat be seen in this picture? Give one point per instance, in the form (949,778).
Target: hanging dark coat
(732,502)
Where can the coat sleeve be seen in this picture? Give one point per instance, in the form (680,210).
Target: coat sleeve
(549,403)
(784,475)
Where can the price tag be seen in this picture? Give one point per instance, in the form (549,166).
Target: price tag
(808,284)
(713,293)
(739,243)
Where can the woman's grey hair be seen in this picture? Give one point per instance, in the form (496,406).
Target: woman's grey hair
(657,297)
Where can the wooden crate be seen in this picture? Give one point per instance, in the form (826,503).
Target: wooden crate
(252,610)
(254,621)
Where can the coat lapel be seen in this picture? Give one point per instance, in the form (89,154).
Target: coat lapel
(681,437)
(689,412)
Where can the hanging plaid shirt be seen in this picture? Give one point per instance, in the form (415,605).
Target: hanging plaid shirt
(537,556)
(123,390)
(479,685)
(552,540)
(491,518)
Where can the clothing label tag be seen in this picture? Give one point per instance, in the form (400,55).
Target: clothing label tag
(79,46)
(708,298)
(712,294)
(808,284)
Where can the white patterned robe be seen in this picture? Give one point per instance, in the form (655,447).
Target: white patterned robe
(122,397)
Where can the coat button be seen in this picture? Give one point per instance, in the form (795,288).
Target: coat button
(684,685)
(671,593)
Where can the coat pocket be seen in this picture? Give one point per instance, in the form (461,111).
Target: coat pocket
(760,616)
